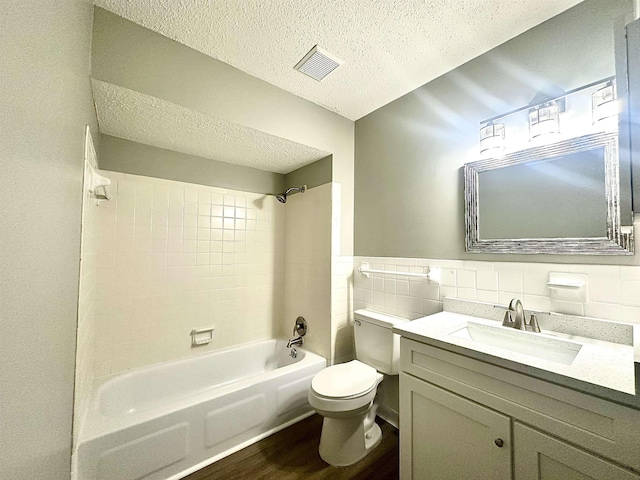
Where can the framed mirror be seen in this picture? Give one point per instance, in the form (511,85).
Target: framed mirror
(562,198)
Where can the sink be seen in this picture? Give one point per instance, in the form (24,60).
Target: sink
(528,343)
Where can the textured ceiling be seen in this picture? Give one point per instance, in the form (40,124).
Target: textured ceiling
(389,47)
(145,119)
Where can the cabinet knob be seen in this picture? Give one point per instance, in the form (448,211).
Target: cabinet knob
(499,442)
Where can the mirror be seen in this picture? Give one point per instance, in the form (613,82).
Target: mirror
(562,198)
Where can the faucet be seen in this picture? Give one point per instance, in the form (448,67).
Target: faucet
(295,341)
(514,317)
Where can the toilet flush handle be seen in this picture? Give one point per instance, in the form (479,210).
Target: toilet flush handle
(356,322)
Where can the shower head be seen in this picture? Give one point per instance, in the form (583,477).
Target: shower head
(282,197)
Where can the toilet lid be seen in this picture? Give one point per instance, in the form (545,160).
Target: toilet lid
(345,380)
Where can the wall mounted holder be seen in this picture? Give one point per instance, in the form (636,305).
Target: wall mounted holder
(568,287)
(202,336)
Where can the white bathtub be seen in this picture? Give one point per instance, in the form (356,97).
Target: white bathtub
(169,420)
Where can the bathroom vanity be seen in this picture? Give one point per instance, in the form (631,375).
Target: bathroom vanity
(559,406)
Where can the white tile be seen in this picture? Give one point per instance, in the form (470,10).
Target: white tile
(432,292)
(629,273)
(630,293)
(537,302)
(402,287)
(510,267)
(448,277)
(429,307)
(487,296)
(389,285)
(478,266)
(536,284)
(603,289)
(466,293)
(466,279)
(452,264)
(608,311)
(449,292)
(630,314)
(487,280)
(570,308)
(510,281)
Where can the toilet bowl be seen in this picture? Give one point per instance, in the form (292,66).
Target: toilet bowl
(344,394)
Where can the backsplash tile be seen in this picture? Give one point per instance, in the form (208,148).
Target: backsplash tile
(613,292)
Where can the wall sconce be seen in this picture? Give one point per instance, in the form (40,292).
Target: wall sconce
(544,121)
(492,140)
(603,104)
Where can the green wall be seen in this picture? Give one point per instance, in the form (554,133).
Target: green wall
(409,198)
(46,104)
(125,156)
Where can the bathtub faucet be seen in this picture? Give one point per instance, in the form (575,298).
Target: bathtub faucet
(295,341)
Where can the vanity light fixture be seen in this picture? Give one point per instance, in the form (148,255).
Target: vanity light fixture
(492,140)
(544,122)
(603,103)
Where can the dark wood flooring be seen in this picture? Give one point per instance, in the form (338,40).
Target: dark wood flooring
(292,454)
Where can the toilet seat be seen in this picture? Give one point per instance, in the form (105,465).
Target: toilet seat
(345,381)
(344,388)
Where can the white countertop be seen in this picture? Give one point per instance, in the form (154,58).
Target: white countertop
(601,368)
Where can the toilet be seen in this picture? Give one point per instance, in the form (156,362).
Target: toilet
(344,394)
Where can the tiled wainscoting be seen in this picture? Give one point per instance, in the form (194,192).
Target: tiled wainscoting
(172,257)
(613,292)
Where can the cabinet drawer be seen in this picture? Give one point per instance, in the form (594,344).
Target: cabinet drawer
(604,427)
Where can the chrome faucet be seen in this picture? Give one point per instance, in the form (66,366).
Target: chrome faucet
(295,341)
(514,317)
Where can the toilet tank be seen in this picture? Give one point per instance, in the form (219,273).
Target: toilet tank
(376,344)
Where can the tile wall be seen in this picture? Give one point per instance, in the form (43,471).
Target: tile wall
(613,292)
(172,257)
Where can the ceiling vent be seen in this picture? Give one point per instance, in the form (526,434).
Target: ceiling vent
(318,63)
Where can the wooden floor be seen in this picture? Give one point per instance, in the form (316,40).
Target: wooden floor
(292,454)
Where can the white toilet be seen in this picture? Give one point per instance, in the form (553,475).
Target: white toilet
(344,394)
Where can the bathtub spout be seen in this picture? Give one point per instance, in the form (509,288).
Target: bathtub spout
(295,341)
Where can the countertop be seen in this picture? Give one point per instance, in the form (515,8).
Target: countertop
(601,368)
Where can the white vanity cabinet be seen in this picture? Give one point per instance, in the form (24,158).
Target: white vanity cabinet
(450,436)
(462,418)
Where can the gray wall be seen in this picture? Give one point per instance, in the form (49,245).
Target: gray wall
(633,32)
(46,103)
(312,175)
(125,156)
(408,181)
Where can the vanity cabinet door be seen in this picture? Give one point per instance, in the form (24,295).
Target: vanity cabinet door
(444,436)
(541,457)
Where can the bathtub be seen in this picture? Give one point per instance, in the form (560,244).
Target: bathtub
(168,420)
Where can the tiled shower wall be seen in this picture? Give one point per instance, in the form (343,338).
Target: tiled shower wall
(172,257)
(613,292)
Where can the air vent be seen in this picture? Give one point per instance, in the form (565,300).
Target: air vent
(318,63)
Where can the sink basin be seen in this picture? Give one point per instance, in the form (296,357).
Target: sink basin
(528,343)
